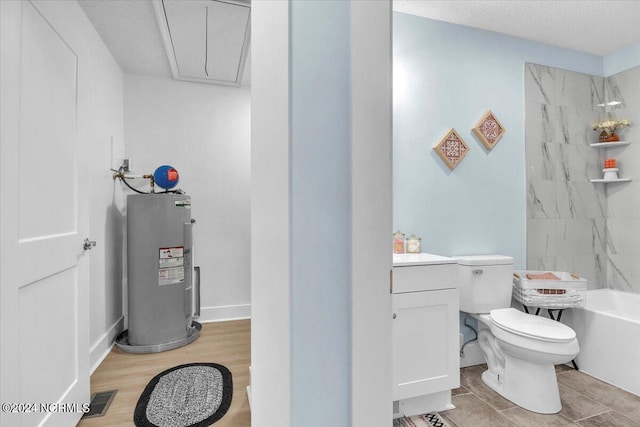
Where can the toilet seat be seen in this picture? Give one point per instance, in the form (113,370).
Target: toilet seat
(531,326)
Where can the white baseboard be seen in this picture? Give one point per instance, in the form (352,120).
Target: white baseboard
(104,344)
(223,313)
(101,348)
(434,402)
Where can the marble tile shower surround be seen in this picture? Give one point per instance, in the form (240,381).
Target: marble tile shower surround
(623,201)
(566,214)
(572,223)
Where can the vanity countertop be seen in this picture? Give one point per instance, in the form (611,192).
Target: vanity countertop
(404,260)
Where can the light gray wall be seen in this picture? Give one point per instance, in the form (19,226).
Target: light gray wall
(204,131)
(623,200)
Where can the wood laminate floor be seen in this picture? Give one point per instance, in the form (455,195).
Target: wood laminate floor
(226,343)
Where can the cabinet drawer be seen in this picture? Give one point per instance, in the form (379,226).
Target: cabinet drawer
(415,278)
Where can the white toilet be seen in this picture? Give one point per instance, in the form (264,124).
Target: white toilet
(520,349)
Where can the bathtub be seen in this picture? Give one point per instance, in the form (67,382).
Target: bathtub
(608,330)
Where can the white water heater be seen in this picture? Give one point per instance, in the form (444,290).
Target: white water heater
(159,274)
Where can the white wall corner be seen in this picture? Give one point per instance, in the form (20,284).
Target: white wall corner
(104,344)
(270,217)
(371,85)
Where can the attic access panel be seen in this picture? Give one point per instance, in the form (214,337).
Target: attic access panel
(206,40)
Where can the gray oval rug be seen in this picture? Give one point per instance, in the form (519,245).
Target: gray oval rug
(191,395)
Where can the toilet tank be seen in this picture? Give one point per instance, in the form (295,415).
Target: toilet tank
(485,282)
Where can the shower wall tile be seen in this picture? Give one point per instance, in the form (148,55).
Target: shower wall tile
(541,200)
(624,273)
(628,158)
(591,267)
(541,263)
(598,92)
(578,90)
(540,161)
(612,93)
(624,236)
(541,238)
(541,122)
(540,84)
(552,86)
(566,226)
(577,163)
(623,200)
(628,85)
(625,87)
(580,237)
(573,224)
(575,125)
(580,200)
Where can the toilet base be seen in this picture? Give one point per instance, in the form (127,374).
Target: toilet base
(531,386)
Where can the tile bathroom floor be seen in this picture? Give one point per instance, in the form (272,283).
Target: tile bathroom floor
(586,401)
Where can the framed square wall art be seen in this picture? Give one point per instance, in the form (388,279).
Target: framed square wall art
(451,148)
(489,130)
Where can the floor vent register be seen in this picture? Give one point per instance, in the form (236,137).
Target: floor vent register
(100,403)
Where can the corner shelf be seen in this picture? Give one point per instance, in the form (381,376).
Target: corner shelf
(611,180)
(610,144)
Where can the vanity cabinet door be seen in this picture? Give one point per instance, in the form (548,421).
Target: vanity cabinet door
(425,343)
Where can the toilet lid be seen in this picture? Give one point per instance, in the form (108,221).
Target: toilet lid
(529,325)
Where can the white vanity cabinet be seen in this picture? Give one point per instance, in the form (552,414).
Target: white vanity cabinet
(426,362)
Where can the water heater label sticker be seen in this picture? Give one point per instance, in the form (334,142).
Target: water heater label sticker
(170,276)
(170,262)
(176,252)
(171,266)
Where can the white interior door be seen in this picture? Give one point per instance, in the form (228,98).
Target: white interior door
(45,354)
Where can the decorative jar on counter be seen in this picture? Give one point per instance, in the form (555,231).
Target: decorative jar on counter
(413,244)
(398,242)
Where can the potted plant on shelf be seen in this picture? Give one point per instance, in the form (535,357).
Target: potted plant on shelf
(610,127)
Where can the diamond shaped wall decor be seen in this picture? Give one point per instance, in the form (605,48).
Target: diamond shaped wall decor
(451,148)
(489,130)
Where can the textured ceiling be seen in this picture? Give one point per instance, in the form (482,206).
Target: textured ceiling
(130,30)
(598,27)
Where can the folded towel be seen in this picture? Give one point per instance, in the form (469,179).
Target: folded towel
(552,291)
(542,276)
